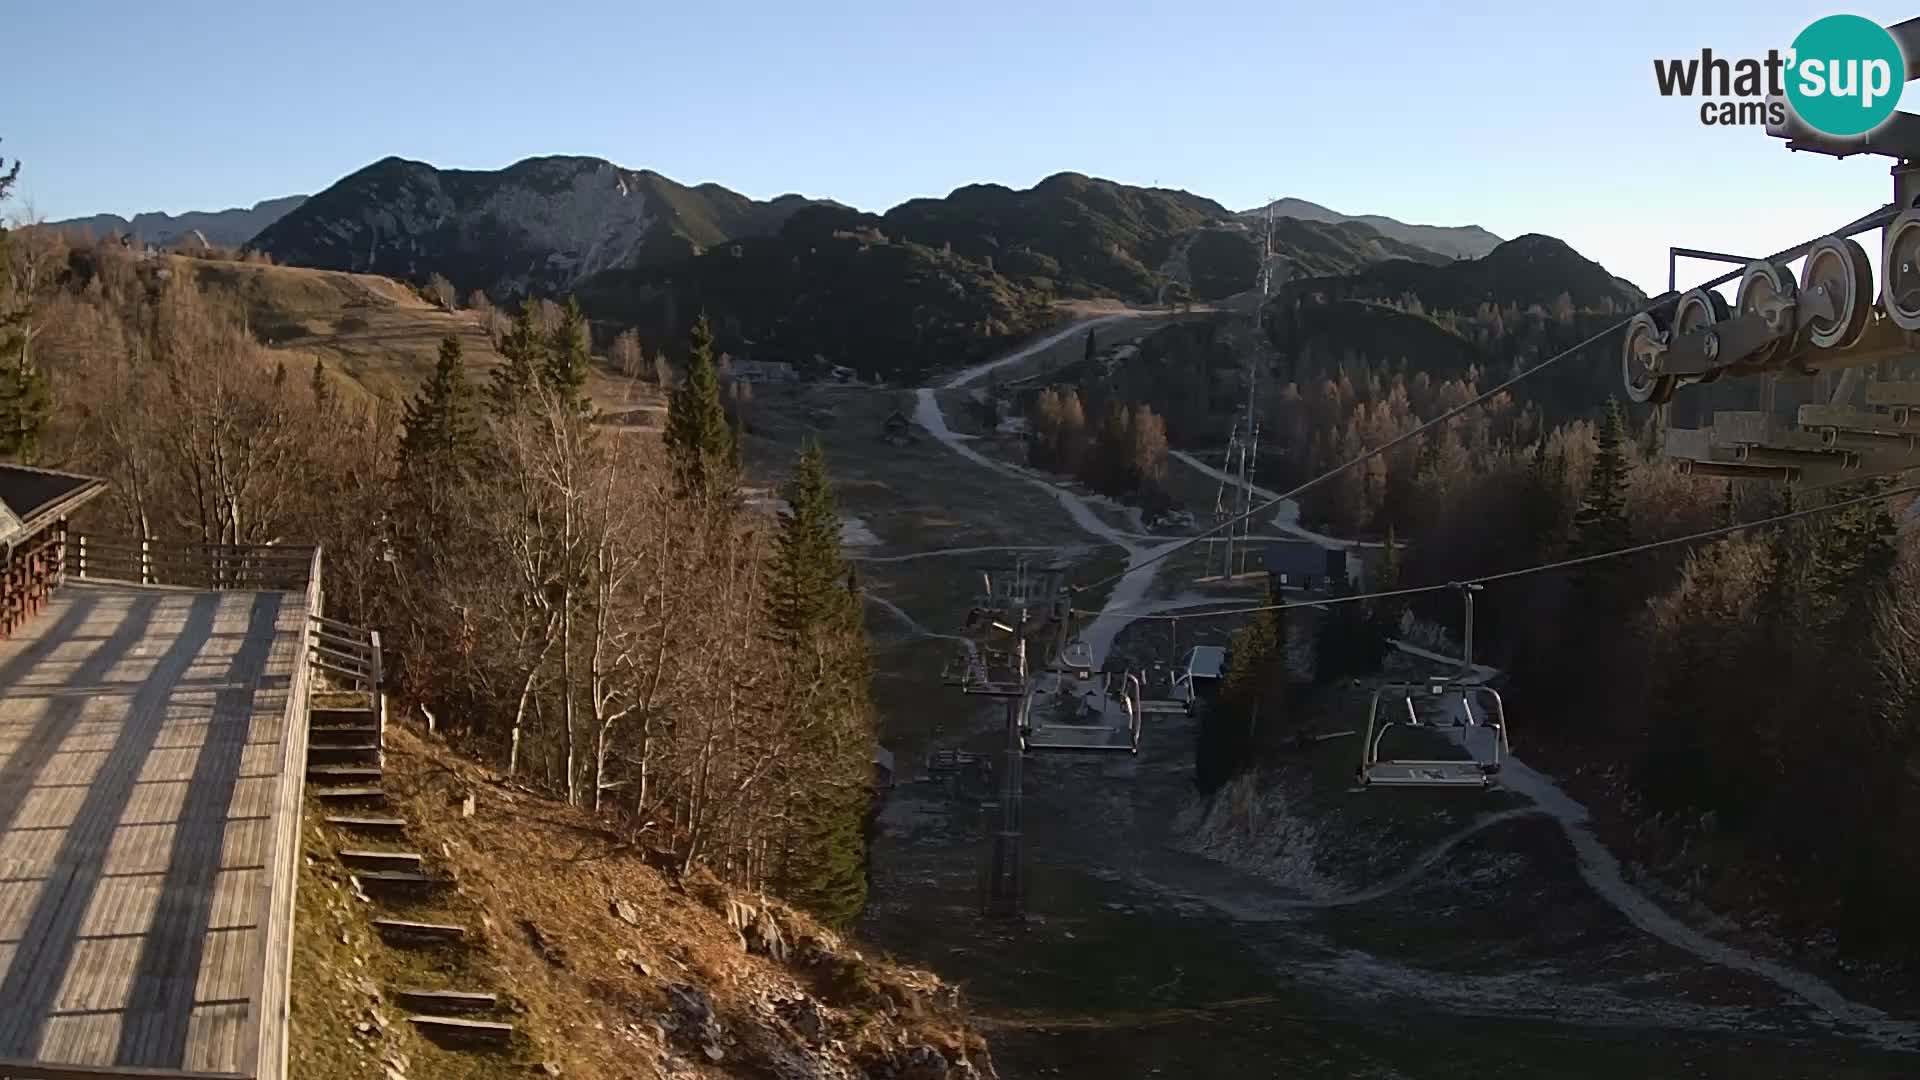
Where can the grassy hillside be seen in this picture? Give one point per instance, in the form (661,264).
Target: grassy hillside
(601,961)
(376,332)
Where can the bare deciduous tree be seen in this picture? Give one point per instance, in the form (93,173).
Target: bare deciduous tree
(440,291)
(626,353)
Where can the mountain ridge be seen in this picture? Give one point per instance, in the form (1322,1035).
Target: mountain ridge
(1453,241)
(542,224)
(233,227)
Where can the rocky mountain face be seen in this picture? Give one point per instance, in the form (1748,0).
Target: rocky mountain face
(221,228)
(929,283)
(542,225)
(1452,241)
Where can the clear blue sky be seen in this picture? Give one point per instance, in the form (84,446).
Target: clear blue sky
(1507,114)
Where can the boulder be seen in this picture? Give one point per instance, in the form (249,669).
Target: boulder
(764,938)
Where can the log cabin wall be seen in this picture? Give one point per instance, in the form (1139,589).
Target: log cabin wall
(31,571)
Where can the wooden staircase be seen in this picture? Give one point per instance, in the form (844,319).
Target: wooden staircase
(346,771)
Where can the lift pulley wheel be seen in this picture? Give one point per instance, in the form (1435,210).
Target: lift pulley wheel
(1839,269)
(1640,360)
(1698,309)
(1900,271)
(1766,285)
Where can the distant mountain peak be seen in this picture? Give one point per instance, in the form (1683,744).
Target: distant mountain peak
(1452,241)
(541,224)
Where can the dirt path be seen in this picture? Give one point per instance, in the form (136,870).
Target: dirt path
(990,549)
(1601,871)
(1286,516)
(1132,586)
(1132,918)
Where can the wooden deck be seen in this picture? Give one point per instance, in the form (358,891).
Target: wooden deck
(150,743)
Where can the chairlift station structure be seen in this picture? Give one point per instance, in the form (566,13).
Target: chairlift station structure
(1848,346)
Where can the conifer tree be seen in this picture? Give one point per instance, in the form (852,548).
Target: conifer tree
(1384,615)
(568,360)
(523,357)
(815,615)
(805,595)
(440,453)
(1548,497)
(1601,524)
(1252,697)
(441,429)
(699,441)
(26,399)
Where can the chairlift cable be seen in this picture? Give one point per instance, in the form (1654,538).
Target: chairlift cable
(1868,221)
(1505,575)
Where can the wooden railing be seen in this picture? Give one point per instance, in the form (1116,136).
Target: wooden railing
(264,567)
(348,653)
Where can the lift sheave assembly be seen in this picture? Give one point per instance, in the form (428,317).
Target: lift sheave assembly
(1849,342)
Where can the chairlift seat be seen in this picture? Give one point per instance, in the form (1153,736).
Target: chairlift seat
(1077,657)
(1386,770)
(1428,774)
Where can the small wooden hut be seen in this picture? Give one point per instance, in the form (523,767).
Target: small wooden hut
(34,507)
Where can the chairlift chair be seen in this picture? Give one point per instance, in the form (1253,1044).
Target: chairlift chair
(1077,659)
(1162,691)
(1103,735)
(958,669)
(1452,708)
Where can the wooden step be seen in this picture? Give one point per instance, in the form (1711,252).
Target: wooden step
(369,881)
(349,793)
(366,823)
(362,717)
(448,1027)
(356,754)
(442,1002)
(420,931)
(343,774)
(380,860)
(346,735)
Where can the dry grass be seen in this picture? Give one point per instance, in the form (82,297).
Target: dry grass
(536,882)
(376,331)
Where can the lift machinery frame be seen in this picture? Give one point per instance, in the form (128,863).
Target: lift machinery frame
(1831,317)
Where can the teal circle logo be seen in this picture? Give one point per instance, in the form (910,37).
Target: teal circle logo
(1847,75)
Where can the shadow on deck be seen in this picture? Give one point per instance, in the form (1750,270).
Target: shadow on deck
(150,751)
